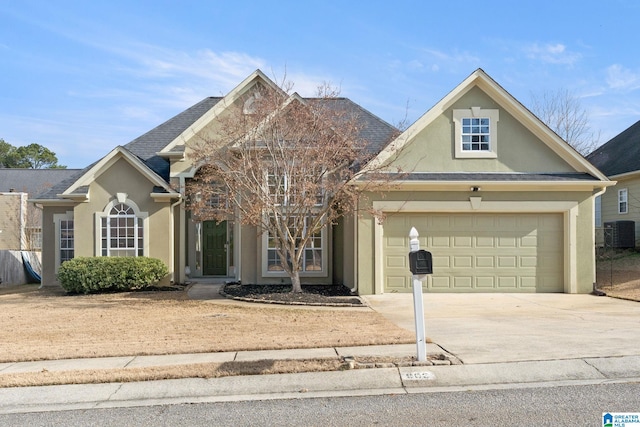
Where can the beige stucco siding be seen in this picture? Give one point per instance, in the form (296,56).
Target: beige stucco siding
(609,203)
(49,242)
(122,178)
(575,208)
(518,150)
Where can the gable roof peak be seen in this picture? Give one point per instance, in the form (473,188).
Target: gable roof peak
(507,102)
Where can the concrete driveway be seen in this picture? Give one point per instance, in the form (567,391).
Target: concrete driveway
(491,328)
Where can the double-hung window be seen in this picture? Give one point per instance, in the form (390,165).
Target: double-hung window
(288,195)
(312,257)
(64,237)
(623,202)
(66,240)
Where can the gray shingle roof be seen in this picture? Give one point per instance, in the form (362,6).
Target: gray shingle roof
(619,155)
(147,145)
(33,181)
(61,186)
(374,130)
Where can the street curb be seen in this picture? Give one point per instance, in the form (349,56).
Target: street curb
(358,382)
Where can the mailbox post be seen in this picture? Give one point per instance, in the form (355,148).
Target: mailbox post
(420,264)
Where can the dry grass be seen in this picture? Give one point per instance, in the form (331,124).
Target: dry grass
(46,324)
(43,324)
(196,370)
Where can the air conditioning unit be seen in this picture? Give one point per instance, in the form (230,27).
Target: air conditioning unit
(620,234)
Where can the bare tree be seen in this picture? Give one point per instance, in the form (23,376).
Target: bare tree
(563,113)
(283,164)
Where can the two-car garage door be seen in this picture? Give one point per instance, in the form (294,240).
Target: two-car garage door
(478,252)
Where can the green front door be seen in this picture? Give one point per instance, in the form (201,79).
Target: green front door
(214,243)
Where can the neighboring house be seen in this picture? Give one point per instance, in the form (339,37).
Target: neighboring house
(20,222)
(499,199)
(619,160)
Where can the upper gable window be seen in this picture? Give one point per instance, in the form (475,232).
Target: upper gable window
(476,134)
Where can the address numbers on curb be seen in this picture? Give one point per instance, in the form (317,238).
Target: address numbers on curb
(419,375)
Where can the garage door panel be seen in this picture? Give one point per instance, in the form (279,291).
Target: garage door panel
(463,282)
(485,242)
(465,261)
(440,282)
(507,242)
(396,261)
(485,262)
(396,282)
(397,242)
(462,242)
(507,261)
(488,282)
(440,262)
(481,252)
(440,242)
(528,282)
(507,282)
(462,223)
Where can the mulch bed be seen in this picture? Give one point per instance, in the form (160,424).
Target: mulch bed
(329,295)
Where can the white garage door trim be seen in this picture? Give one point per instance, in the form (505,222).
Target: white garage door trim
(475,204)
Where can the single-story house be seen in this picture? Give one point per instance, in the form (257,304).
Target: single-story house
(502,202)
(618,210)
(20,222)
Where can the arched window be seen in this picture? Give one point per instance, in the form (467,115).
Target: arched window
(122,232)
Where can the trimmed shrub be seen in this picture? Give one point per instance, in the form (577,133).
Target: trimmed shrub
(86,275)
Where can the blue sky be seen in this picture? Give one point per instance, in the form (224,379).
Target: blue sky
(81,77)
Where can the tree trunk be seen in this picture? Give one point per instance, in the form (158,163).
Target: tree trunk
(295,282)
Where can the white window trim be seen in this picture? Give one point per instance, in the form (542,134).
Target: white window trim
(598,211)
(623,197)
(281,273)
(57,218)
(493,116)
(105,213)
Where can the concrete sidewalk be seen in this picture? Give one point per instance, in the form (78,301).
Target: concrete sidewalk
(504,340)
(359,382)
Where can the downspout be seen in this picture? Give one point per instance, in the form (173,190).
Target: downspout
(172,234)
(593,237)
(356,245)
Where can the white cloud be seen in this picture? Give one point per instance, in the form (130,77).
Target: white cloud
(552,53)
(621,78)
